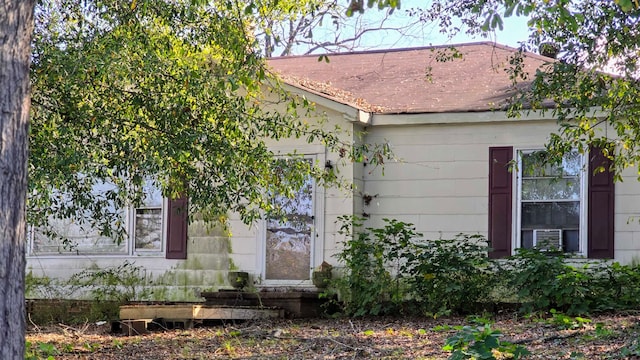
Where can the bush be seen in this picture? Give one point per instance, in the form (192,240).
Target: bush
(621,284)
(544,281)
(447,275)
(389,270)
(533,275)
(371,284)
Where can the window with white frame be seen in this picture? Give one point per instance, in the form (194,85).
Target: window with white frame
(147,222)
(550,201)
(144,226)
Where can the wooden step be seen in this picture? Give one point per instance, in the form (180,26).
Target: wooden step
(136,318)
(198,312)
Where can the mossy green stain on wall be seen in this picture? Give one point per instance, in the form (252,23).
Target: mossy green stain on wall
(220,279)
(232,265)
(192,263)
(205,268)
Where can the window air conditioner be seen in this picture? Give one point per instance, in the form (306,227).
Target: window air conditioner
(547,239)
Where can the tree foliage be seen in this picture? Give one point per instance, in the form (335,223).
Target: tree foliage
(171,92)
(592,90)
(324,26)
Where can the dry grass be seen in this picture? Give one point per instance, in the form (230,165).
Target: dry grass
(603,337)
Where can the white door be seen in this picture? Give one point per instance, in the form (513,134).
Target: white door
(289,239)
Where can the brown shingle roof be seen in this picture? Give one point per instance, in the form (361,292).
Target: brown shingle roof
(410,80)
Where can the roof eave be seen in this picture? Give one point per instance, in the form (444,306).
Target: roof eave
(349,111)
(467,117)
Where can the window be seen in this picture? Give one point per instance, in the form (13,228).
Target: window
(569,205)
(157,224)
(75,236)
(147,222)
(550,199)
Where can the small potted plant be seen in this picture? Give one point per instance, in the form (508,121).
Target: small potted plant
(238,279)
(321,276)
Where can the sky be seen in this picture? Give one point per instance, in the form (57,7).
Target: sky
(515,31)
(421,34)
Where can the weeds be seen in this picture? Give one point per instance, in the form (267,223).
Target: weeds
(372,258)
(481,343)
(40,350)
(392,270)
(566,322)
(107,288)
(448,275)
(389,271)
(120,283)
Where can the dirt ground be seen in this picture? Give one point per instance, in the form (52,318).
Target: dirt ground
(612,336)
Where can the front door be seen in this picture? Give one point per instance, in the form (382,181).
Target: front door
(289,238)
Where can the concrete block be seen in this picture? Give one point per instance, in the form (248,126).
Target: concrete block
(134,327)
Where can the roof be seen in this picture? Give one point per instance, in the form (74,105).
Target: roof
(410,80)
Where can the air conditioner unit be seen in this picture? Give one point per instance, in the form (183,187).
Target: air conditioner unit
(547,239)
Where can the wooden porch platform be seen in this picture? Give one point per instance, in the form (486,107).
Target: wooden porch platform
(197,312)
(136,319)
(296,304)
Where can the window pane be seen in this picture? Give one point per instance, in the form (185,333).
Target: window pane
(551,189)
(533,165)
(289,239)
(152,195)
(571,240)
(526,237)
(65,236)
(572,164)
(550,215)
(148,233)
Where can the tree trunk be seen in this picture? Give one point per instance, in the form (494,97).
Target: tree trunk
(16,28)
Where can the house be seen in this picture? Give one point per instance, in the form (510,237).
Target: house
(454,143)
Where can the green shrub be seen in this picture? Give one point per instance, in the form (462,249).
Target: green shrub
(39,351)
(389,270)
(566,322)
(449,274)
(371,284)
(532,274)
(543,281)
(621,285)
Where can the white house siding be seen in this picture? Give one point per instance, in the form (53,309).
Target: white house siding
(170,280)
(341,202)
(627,220)
(440,182)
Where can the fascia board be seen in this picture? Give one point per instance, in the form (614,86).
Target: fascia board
(350,113)
(463,117)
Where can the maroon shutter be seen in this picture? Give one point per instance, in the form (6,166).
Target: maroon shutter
(500,200)
(600,216)
(177,229)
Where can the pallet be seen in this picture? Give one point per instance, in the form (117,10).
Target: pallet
(135,319)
